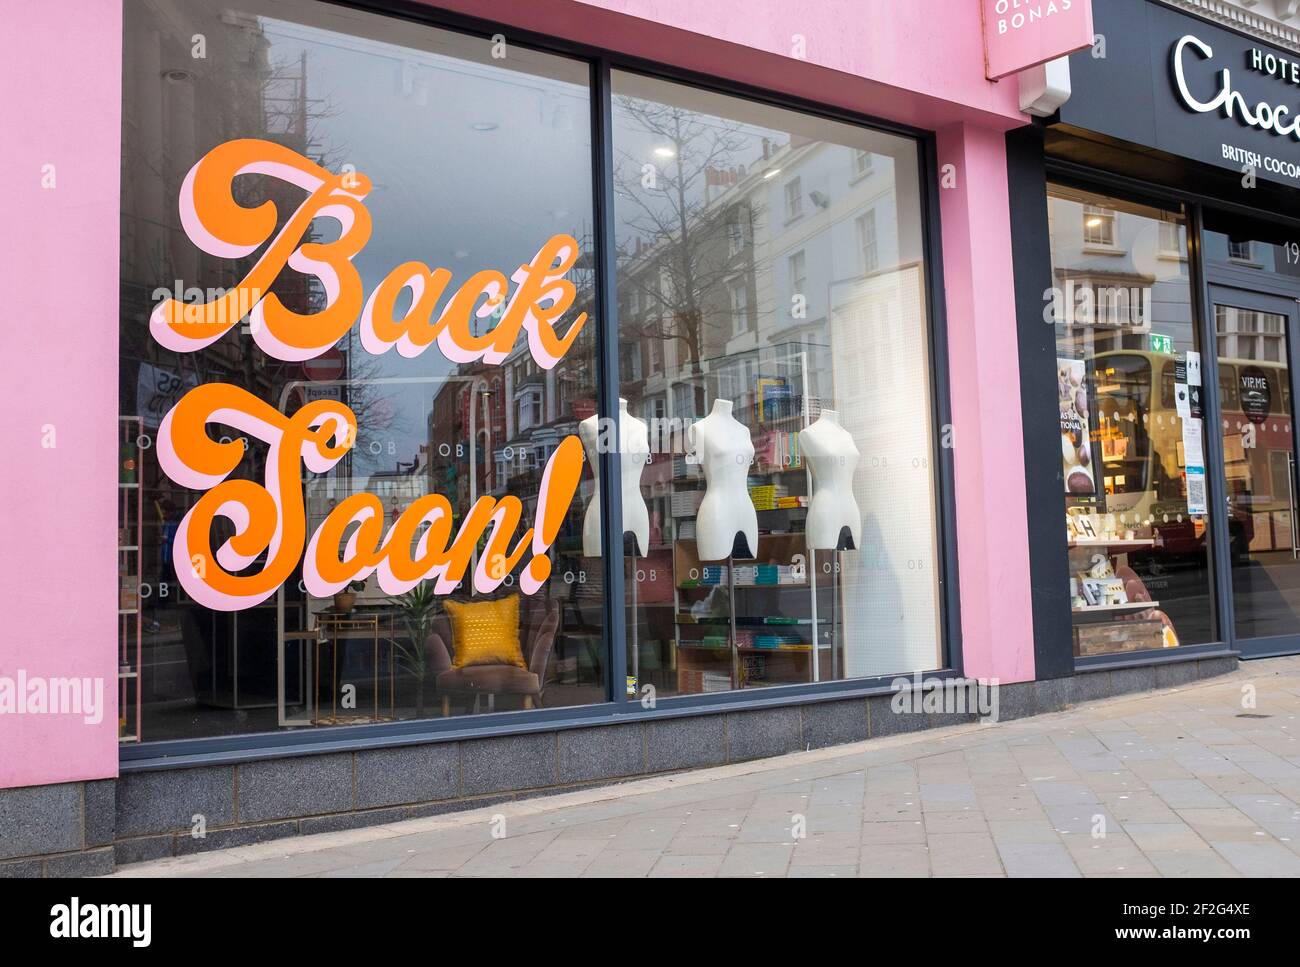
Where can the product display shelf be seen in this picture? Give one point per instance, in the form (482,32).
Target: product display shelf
(130,618)
(1120,626)
(1109,612)
(1113,544)
(705,651)
(769,619)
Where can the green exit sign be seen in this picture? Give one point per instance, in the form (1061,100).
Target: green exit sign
(1162,344)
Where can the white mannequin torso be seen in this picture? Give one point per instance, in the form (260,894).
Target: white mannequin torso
(634,451)
(832,456)
(725,451)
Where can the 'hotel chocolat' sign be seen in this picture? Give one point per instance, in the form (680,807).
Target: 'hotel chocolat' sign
(1226,100)
(1191,89)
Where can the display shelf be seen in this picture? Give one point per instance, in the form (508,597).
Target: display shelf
(785,598)
(130,632)
(743,585)
(748,622)
(1109,612)
(1115,544)
(750,649)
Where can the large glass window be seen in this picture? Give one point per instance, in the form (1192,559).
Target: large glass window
(359,429)
(1128,368)
(312,197)
(781,508)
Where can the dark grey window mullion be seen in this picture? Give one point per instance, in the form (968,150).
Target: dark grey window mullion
(1220,551)
(611,504)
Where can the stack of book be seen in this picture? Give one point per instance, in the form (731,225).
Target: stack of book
(765,496)
(777,641)
(685,503)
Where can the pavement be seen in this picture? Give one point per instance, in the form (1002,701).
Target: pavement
(1201,780)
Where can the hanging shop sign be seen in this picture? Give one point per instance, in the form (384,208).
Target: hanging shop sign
(268,517)
(1191,89)
(1025,33)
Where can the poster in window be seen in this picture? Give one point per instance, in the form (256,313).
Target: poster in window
(1076,429)
(1256,394)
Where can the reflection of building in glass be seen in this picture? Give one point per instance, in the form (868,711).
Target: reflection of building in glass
(176,108)
(1120,276)
(741,289)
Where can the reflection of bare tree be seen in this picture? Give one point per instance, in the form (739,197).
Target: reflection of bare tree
(687,244)
(379,415)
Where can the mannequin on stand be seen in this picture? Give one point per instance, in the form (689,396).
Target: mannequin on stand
(834,520)
(634,454)
(726,525)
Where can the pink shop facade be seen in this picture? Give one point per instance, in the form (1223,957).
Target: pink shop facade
(435,403)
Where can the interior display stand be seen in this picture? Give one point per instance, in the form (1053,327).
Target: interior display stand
(766,633)
(130,617)
(337,628)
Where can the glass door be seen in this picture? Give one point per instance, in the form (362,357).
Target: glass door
(1253,336)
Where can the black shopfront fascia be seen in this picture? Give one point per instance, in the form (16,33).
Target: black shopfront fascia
(186,753)
(1125,133)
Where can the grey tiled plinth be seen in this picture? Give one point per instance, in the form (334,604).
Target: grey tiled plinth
(1179,782)
(78,828)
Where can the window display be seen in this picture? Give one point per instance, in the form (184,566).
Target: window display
(774,338)
(359,381)
(1132,455)
(355,355)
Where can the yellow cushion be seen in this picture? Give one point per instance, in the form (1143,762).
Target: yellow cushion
(485,632)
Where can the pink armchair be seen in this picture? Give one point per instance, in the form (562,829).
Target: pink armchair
(538,622)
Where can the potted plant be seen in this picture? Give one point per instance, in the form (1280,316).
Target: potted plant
(417,609)
(346,599)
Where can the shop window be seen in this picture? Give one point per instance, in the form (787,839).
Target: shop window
(1128,369)
(290,96)
(745,577)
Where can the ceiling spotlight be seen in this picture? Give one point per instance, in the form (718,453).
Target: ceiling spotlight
(665,152)
(772,174)
(484,126)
